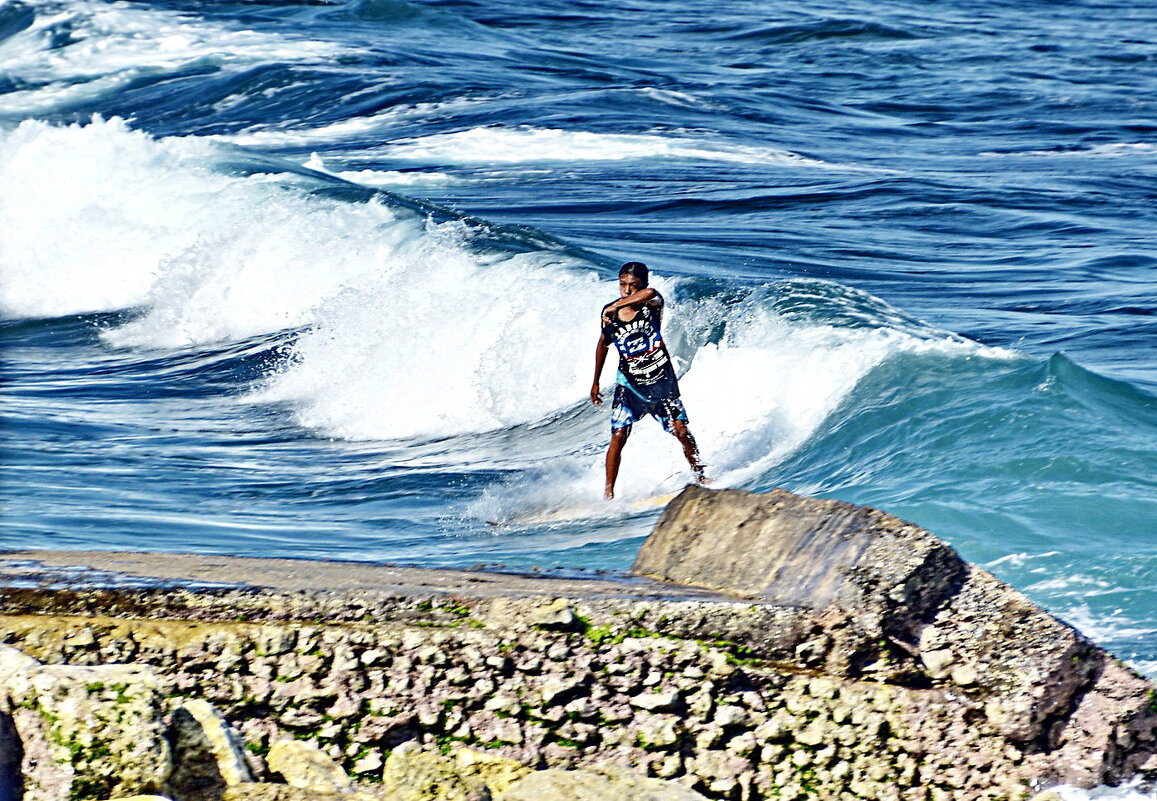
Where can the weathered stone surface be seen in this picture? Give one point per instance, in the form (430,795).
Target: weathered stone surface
(207,755)
(604,784)
(874,578)
(1115,715)
(12,662)
(303,765)
(1027,664)
(558,615)
(496,772)
(89,732)
(788,549)
(265,791)
(416,774)
(918,677)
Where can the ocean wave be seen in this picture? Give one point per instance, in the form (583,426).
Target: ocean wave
(79,50)
(103,218)
(795,372)
(351,128)
(404,328)
(385,178)
(1113,150)
(92,211)
(504,145)
(821,29)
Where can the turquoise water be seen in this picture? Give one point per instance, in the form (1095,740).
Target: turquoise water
(321,279)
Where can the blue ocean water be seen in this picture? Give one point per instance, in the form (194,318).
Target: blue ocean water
(322,278)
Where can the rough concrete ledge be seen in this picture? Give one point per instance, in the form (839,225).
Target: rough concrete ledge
(879,666)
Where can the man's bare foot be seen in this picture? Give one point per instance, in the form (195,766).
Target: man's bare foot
(701,476)
(608,494)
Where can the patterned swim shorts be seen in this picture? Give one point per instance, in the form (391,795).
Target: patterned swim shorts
(629,407)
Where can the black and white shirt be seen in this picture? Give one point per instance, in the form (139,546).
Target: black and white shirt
(644,363)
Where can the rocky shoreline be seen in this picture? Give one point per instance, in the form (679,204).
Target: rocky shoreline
(777,647)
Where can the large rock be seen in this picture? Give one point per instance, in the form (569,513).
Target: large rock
(89,732)
(873,579)
(787,549)
(207,755)
(901,674)
(305,766)
(415,774)
(604,784)
(12,662)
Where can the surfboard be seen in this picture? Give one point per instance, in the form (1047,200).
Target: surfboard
(532,517)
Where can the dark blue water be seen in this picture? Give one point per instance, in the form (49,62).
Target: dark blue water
(321,279)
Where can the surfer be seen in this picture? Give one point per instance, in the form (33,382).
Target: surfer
(646,382)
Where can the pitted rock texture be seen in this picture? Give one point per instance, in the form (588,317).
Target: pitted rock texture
(303,764)
(787,549)
(207,756)
(918,677)
(89,731)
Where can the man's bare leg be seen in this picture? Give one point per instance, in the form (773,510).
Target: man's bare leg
(614,457)
(690,449)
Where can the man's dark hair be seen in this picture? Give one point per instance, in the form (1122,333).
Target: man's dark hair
(637,269)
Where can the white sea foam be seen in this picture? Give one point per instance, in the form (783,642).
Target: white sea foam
(378,123)
(407,331)
(670,96)
(113,43)
(396,178)
(1147,667)
(92,212)
(1071,585)
(1019,559)
(1111,628)
(794,375)
(440,341)
(384,178)
(103,218)
(504,145)
(1134,790)
(1106,627)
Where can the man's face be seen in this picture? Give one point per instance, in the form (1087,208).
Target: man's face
(629,285)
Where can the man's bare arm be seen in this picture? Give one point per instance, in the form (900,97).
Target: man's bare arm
(600,359)
(636,299)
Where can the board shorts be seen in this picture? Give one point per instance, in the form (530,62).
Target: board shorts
(629,407)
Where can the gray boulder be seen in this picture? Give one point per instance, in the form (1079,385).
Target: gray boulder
(305,766)
(416,774)
(599,784)
(207,755)
(12,662)
(889,600)
(786,549)
(89,731)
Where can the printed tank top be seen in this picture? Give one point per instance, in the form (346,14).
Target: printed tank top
(644,363)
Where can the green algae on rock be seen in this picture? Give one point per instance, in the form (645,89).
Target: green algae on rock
(881,666)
